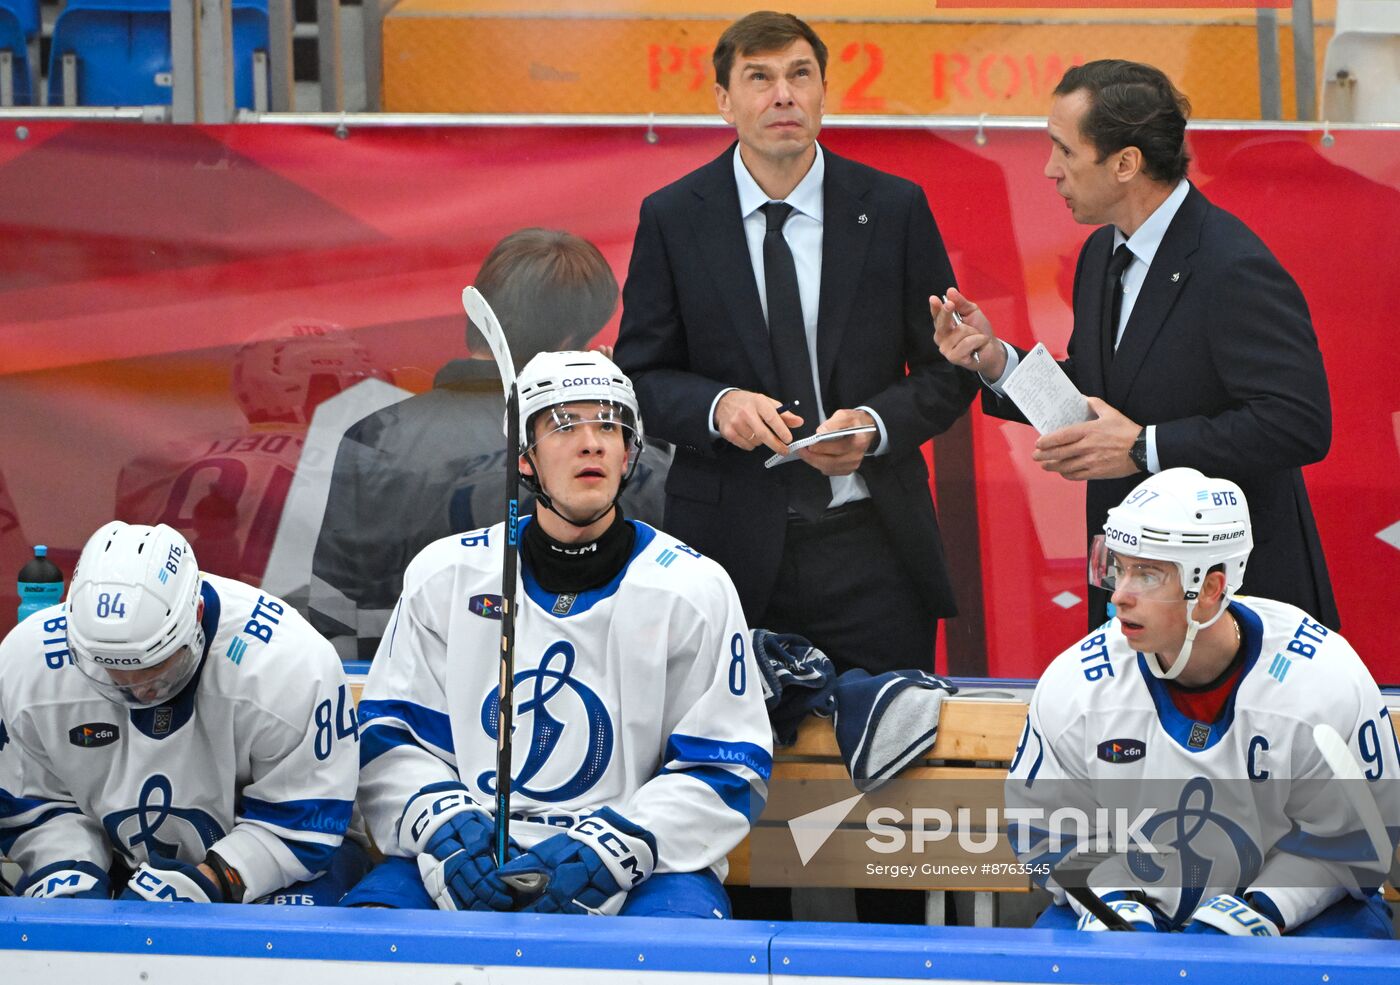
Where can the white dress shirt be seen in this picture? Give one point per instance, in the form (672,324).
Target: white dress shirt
(803,232)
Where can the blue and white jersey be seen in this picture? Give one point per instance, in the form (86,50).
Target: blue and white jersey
(642,696)
(1244,804)
(256,758)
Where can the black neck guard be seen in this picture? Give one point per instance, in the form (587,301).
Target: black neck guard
(560,567)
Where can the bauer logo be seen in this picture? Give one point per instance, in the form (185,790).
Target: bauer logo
(486,606)
(93,734)
(1122,750)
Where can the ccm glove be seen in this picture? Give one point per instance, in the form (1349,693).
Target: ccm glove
(588,869)
(454,839)
(168,880)
(1226,914)
(73,879)
(1143,918)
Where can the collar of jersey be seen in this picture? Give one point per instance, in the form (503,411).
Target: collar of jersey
(1177,725)
(585,600)
(182,705)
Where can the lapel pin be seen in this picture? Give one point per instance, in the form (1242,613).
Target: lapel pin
(1176,277)
(862,218)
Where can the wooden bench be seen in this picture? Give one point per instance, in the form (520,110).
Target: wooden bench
(967,763)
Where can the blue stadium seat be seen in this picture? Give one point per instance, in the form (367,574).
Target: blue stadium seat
(12,40)
(123,51)
(27,12)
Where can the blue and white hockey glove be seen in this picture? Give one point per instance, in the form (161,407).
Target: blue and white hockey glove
(168,880)
(589,868)
(75,880)
(454,840)
(1227,914)
(1143,918)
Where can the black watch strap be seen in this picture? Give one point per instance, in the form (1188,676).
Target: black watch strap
(230,882)
(1138,453)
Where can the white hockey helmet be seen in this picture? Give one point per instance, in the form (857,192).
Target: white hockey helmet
(133,613)
(598,391)
(1191,520)
(284,373)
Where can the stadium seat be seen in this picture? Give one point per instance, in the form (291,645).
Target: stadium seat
(123,55)
(13,43)
(27,12)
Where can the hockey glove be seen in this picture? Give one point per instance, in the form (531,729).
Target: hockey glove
(1143,918)
(588,869)
(75,880)
(454,840)
(1226,914)
(168,880)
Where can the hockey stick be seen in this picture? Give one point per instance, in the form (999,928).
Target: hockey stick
(1076,867)
(1344,767)
(486,323)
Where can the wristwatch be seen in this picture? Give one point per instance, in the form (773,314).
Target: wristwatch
(1138,453)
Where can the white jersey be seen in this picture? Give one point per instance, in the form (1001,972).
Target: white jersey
(642,696)
(1247,803)
(255,759)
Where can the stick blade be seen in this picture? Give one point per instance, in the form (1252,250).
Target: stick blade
(1344,767)
(486,322)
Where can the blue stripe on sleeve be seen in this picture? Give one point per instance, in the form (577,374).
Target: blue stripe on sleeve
(376,742)
(696,749)
(432,727)
(330,817)
(736,792)
(10,833)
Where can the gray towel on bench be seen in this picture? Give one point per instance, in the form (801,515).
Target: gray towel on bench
(884,723)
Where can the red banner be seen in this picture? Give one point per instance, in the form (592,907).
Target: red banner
(153,280)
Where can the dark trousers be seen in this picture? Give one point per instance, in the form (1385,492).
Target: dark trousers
(841,585)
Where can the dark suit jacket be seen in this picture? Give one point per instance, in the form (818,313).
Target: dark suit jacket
(692,325)
(1220,354)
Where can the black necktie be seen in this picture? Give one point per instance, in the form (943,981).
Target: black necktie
(809,491)
(1113,300)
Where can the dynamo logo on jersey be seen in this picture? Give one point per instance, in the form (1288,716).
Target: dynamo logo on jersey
(570,731)
(155,825)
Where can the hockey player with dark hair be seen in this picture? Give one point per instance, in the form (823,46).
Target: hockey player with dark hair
(170,735)
(641,746)
(1224,727)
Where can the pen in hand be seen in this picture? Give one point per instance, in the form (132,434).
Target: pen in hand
(957,320)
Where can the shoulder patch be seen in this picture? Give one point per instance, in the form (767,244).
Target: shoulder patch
(486,606)
(92,735)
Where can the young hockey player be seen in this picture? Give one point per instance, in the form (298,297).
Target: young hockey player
(641,747)
(171,735)
(1194,712)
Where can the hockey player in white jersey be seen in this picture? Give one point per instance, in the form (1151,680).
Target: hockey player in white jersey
(171,735)
(1193,712)
(641,747)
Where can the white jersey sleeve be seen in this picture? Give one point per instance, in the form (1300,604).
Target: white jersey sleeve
(41,822)
(718,756)
(406,740)
(1322,859)
(302,749)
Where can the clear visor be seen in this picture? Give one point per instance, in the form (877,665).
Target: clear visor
(143,687)
(1114,572)
(606,417)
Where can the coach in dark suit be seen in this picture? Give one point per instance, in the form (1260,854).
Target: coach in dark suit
(1193,344)
(780,273)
